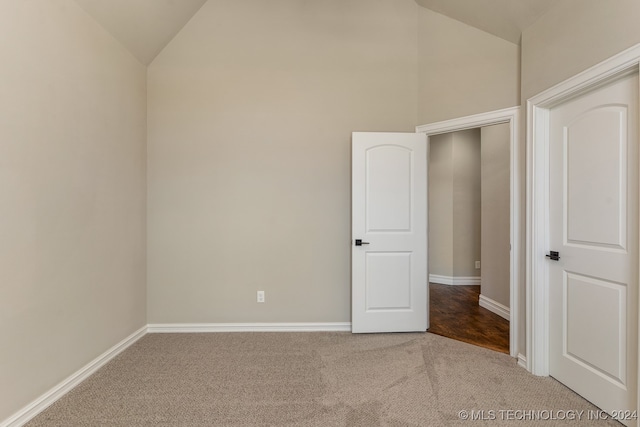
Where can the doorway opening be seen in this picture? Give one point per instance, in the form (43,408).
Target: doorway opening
(510,118)
(469,236)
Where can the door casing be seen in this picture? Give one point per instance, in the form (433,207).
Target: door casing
(510,116)
(537,228)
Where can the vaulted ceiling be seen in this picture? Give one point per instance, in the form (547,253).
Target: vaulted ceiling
(145,27)
(503,18)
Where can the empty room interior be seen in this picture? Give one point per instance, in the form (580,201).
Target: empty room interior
(196,221)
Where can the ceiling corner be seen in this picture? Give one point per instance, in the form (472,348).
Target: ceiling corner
(144,27)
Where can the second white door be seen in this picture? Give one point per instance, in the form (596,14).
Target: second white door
(593,222)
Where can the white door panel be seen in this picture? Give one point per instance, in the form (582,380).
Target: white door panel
(388,189)
(599,177)
(382,269)
(389,214)
(593,223)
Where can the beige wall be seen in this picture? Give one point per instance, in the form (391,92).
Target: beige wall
(251,109)
(495,212)
(463,70)
(573,36)
(250,114)
(72,184)
(440,183)
(454,204)
(466,203)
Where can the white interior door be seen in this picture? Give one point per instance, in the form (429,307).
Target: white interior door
(389,232)
(593,224)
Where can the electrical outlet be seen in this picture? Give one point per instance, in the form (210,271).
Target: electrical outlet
(477,265)
(260,296)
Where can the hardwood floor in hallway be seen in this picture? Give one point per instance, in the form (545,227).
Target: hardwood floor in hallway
(454,313)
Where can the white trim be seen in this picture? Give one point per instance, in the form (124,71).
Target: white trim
(454,280)
(537,242)
(537,285)
(522,360)
(494,307)
(624,62)
(470,122)
(43,402)
(249,327)
(511,116)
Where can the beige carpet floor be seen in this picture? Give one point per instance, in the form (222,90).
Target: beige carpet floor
(312,379)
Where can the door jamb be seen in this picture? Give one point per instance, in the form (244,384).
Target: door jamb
(510,116)
(537,228)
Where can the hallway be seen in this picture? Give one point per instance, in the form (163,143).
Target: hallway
(454,313)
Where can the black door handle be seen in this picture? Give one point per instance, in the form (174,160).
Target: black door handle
(553,255)
(359,242)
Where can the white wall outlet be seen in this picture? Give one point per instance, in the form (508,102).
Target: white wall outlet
(260,296)
(477,265)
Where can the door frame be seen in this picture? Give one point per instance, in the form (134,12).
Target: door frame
(537,212)
(510,116)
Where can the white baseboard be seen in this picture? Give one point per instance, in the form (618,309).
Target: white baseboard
(248,327)
(43,402)
(454,280)
(495,307)
(522,360)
